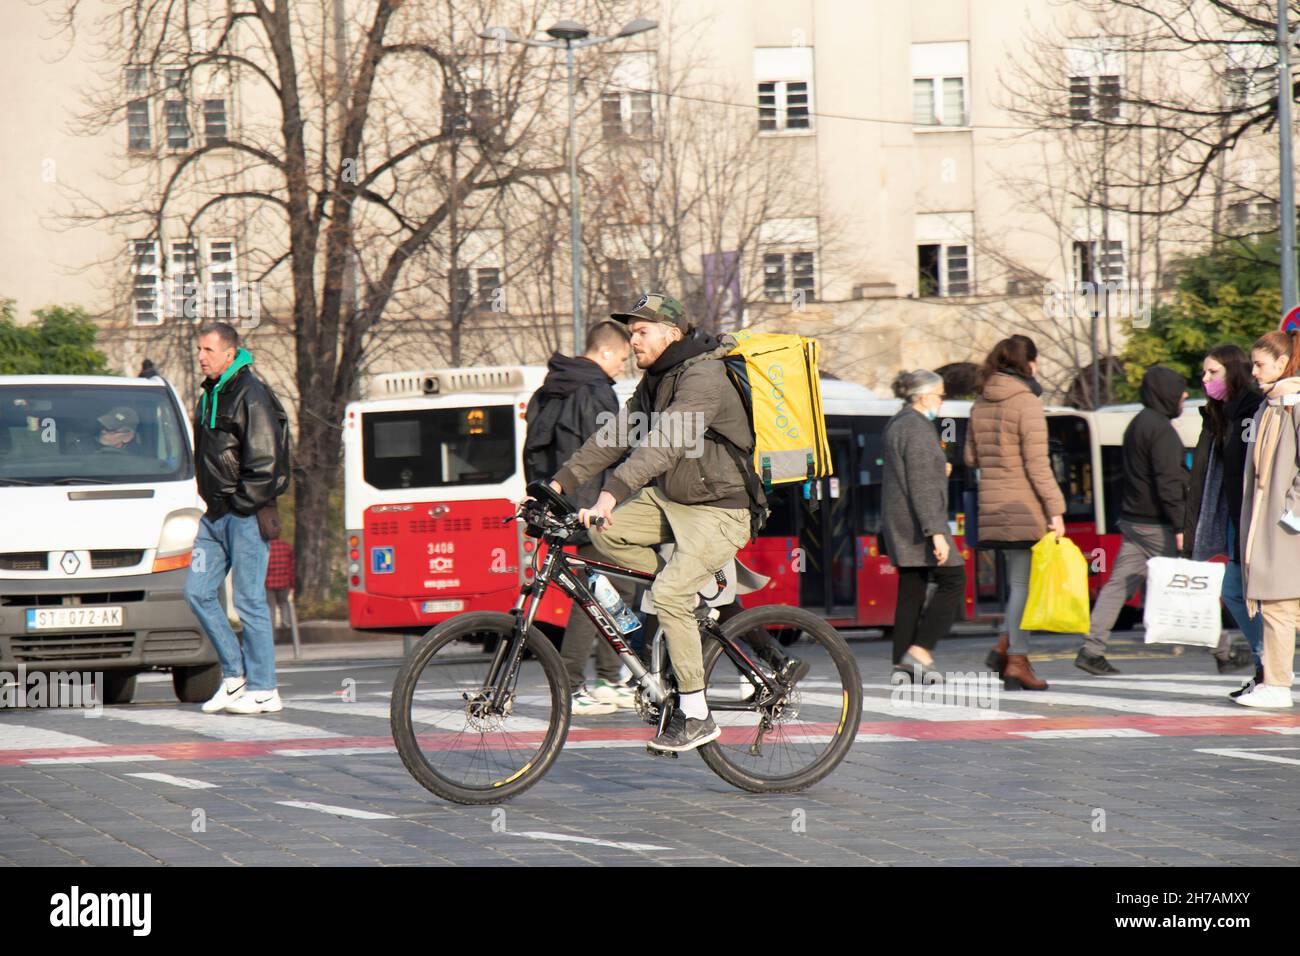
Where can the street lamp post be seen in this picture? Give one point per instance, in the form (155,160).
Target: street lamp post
(569,36)
(1288,212)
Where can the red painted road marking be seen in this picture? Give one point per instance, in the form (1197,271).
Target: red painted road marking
(1004,730)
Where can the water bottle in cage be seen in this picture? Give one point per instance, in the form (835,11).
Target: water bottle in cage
(608,597)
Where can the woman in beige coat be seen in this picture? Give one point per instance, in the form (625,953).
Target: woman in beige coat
(1270,515)
(1019,498)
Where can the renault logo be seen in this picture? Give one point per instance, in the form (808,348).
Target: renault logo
(70,562)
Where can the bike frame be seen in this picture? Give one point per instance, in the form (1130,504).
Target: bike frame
(569,572)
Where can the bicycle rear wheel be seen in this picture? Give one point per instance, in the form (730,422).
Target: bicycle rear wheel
(446,733)
(793,742)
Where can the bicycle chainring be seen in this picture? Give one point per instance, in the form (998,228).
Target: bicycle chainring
(646,709)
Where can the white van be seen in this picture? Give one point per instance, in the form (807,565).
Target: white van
(98,514)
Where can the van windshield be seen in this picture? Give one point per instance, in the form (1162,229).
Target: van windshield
(90,434)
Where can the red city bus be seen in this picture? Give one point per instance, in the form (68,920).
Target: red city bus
(833,533)
(432,476)
(433,469)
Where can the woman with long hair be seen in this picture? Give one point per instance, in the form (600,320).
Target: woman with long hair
(1270,515)
(1019,499)
(1214,495)
(914,527)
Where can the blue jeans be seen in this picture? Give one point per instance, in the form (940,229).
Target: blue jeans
(1234,599)
(233,542)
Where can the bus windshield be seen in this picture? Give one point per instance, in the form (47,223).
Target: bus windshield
(90,434)
(438,447)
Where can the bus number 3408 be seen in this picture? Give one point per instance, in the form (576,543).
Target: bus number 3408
(442,547)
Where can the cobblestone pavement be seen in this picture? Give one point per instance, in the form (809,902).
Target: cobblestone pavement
(1154,766)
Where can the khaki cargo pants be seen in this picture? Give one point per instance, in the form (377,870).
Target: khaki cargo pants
(705,538)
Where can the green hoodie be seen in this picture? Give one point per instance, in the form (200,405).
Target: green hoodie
(242,358)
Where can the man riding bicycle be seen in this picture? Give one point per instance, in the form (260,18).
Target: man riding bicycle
(678,485)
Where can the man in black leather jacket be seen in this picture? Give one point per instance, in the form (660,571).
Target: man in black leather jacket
(235,442)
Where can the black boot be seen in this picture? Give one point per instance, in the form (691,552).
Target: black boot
(1094,664)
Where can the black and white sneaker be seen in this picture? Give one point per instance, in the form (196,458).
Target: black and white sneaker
(685,733)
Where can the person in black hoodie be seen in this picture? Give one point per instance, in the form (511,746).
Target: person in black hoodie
(1214,495)
(1151,508)
(568,409)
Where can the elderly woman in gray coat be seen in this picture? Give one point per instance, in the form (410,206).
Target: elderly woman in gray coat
(914,526)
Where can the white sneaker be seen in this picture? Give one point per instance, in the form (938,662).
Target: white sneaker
(584,704)
(256,702)
(1267,695)
(232,688)
(620,695)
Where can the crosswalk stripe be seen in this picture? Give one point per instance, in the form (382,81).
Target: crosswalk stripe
(1082,733)
(442,718)
(189,783)
(1127,705)
(20,737)
(98,758)
(333,751)
(218,726)
(935,708)
(566,838)
(1153,686)
(337,811)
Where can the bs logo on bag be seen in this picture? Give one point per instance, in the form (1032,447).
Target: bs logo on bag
(1188,582)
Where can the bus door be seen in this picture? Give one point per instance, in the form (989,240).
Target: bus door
(828,532)
(1070,445)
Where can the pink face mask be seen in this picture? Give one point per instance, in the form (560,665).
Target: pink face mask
(1217,389)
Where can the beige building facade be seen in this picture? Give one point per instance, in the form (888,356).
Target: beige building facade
(928,221)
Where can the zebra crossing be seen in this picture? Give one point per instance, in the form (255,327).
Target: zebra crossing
(326,725)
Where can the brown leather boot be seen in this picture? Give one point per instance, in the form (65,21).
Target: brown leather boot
(1018,674)
(997,659)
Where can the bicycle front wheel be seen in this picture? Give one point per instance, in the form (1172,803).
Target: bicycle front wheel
(793,741)
(448,730)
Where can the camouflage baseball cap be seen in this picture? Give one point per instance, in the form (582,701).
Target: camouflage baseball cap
(656,307)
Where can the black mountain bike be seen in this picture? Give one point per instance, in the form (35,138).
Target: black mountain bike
(480,707)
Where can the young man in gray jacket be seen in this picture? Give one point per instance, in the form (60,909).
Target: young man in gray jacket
(675,485)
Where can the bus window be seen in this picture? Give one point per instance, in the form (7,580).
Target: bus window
(781,521)
(952,439)
(436,447)
(1071,457)
(868,436)
(1112,464)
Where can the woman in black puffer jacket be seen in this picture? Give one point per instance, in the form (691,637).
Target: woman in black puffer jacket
(1213,512)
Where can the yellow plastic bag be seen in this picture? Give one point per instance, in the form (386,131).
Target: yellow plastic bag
(1058,588)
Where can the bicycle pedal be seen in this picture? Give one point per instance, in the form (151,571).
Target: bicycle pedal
(660,753)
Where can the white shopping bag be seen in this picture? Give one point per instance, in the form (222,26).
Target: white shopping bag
(1182,602)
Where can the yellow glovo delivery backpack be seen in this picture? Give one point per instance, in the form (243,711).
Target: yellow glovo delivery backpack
(776,376)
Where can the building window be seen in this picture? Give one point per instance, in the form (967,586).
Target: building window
(625,279)
(790,276)
(222,279)
(784,77)
(475,289)
(183,279)
(1096,70)
(144,283)
(939,82)
(943,253)
(943,269)
(175,109)
(1093,263)
(214,122)
(627,108)
(138,127)
(472,111)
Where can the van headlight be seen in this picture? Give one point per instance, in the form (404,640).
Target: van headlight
(177,540)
